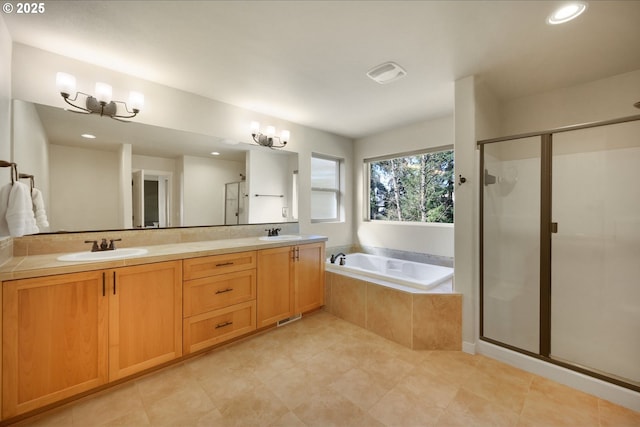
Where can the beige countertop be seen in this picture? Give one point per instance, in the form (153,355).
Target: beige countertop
(23,267)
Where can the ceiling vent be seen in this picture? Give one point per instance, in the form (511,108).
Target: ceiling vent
(386,73)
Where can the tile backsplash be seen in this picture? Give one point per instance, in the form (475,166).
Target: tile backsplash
(40,244)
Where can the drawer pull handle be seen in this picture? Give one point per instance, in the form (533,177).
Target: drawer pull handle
(222,325)
(224,264)
(222,291)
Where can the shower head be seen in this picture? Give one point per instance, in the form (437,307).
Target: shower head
(637,104)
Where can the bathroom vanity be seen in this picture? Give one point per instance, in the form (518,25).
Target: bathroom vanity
(69,328)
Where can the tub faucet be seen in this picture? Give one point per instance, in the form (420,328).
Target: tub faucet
(333,258)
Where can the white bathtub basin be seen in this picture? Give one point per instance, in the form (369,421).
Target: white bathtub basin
(103,255)
(281,238)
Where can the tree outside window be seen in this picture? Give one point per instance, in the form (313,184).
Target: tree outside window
(412,188)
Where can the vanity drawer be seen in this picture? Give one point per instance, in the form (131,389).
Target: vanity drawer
(196,268)
(205,330)
(215,292)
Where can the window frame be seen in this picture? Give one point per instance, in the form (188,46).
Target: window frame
(336,191)
(367,184)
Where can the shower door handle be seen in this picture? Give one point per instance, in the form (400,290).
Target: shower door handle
(554,227)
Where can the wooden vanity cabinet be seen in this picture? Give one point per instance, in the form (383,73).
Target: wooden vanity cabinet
(309,277)
(290,281)
(219,299)
(145,317)
(55,332)
(70,333)
(275,291)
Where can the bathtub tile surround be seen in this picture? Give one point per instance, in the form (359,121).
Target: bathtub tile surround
(388,312)
(323,371)
(347,298)
(420,321)
(437,322)
(393,253)
(407,256)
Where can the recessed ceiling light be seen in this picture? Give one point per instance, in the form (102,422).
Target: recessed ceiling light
(567,12)
(88,136)
(215,153)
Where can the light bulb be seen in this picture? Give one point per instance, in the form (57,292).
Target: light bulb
(103,93)
(66,84)
(255,127)
(284,135)
(136,101)
(270,131)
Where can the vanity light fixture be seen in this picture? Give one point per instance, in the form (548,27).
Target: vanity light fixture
(567,12)
(269,138)
(102,103)
(88,136)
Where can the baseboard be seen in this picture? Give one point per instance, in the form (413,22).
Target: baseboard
(607,391)
(469,347)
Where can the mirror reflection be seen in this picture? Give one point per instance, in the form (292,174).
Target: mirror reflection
(99,174)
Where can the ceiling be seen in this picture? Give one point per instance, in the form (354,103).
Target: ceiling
(306,61)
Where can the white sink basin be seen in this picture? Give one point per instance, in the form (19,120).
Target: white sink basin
(281,238)
(103,255)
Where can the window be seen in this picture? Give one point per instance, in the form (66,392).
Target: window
(416,187)
(325,188)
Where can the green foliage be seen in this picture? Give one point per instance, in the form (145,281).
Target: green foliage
(417,188)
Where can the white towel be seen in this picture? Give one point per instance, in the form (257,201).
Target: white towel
(19,211)
(38,209)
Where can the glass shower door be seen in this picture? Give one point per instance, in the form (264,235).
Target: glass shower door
(511,243)
(595,291)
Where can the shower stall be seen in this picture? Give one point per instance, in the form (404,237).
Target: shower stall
(560,247)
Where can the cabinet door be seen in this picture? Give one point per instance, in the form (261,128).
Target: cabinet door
(145,317)
(309,277)
(275,285)
(55,339)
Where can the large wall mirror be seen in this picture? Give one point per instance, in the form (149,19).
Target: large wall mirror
(134,175)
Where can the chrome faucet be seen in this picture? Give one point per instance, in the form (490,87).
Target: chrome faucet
(333,258)
(103,246)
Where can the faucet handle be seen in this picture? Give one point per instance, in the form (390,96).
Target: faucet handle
(94,247)
(111,245)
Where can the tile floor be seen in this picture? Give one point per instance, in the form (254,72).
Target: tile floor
(323,371)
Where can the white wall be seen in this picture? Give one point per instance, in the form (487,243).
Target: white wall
(5,99)
(86,187)
(604,99)
(203,191)
(34,73)
(267,174)
(433,239)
